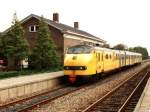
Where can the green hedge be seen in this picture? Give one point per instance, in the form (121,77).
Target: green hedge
(25,72)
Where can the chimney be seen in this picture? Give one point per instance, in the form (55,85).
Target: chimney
(55,17)
(76,25)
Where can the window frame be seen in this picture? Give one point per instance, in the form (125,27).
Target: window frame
(34,28)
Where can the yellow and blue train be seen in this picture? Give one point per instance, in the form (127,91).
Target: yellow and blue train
(85,61)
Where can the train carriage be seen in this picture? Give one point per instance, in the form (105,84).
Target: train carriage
(85,61)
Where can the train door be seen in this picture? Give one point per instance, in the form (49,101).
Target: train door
(106,61)
(126,58)
(99,62)
(123,60)
(116,60)
(113,60)
(102,61)
(129,60)
(120,60)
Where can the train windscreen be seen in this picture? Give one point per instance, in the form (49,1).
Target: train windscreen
(79,49)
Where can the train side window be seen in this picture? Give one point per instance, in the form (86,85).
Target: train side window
(106,56)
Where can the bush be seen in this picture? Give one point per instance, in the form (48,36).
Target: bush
(26,72)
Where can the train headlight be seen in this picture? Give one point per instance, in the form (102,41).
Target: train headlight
(81,68)
(75,67)
(66,68)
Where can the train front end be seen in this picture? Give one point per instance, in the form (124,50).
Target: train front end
(79,62)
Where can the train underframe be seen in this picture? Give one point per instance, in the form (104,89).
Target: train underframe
(90,77)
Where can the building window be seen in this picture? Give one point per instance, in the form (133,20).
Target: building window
(33,28)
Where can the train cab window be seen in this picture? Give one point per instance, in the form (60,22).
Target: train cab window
(80,49)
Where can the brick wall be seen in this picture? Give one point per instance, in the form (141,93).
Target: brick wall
(31,37)
(70,42)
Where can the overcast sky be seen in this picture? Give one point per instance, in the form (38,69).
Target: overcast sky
(116,21)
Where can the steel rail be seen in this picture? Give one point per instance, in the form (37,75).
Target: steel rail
(126,102)
(45,101)
(48,100)
(110,92)
(27,98)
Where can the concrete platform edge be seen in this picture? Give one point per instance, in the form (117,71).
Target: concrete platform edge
(137,108)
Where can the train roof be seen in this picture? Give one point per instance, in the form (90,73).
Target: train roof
(112,50)
(133,53)
(103,49)
(119,51)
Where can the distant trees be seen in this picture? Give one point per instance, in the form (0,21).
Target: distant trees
(1,47)
(120,47)
(44,54)
(13,45)
(137,49)
(106,46)
(141,50)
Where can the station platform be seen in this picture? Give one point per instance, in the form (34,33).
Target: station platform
(13,88)
(11,82)
(143,104)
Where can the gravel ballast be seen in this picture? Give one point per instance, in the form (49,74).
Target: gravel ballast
(77,101)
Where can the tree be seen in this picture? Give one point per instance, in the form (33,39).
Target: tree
(106,46)
(1,47)
(15,46)
(120,47)
(141,50)
(44,54)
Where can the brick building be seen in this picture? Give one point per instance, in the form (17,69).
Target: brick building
(63,35)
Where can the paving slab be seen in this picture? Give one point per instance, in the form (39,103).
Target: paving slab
(10,82)
(144,101)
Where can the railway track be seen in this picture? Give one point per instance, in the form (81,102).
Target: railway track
(37,100)
(124,97)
